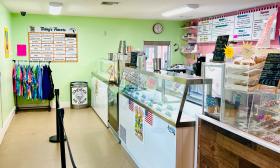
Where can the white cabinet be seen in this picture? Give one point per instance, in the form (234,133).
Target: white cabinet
(161,145)
(99,101)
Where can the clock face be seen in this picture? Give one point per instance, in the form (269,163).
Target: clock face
(157,28)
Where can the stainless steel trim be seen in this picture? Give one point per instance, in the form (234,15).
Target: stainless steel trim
(100,77)
(178,79)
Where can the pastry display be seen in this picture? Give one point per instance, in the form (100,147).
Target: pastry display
(267,122)
(260,59)
(272,138)
(272,106)
(250,62)
(273,125)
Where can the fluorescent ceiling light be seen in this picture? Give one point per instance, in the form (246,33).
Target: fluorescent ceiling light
(181,10)
(55,8)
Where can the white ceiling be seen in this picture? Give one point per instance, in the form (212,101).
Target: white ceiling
(140,9)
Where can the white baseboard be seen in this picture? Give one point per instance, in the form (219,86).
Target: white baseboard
(63,104)
(7,124)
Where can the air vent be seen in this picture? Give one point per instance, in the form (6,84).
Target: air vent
(109,3)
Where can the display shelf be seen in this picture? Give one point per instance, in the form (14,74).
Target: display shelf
(189,27)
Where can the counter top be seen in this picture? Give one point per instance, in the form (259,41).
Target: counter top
(103,77)
(243,134)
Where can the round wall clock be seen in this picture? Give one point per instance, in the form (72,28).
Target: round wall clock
(158,28)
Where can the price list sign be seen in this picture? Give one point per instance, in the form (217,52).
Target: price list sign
(271,72)
(53,44)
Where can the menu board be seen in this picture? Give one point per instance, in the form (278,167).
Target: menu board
(53,44)
(260,19)
(243,26)
(204,33)
(271,72)
(222,26)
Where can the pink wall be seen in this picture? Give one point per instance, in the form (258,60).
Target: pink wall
(205,48)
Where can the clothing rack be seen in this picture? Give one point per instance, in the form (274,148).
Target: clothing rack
(34,107)
(49,62)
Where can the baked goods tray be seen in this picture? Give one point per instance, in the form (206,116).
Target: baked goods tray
(245,67)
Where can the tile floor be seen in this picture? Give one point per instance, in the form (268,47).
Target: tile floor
(26,142)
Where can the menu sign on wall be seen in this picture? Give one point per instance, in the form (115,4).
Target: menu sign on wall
(52,44)
(243,26)
(260,19)
(204,33)
(271,72)
(223,26)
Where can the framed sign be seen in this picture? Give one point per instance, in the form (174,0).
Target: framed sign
(219,53)
(271,72)
(53,44)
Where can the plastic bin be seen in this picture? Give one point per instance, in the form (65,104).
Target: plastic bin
(79,94)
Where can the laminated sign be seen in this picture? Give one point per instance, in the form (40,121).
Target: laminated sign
(79,96)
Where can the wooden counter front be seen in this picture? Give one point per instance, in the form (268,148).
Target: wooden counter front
(218,148)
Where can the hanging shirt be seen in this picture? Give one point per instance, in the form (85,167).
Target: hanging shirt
(40,87)
(48,87)
(14,79)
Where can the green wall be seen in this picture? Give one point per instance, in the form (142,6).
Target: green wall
(96,38)
(5,67)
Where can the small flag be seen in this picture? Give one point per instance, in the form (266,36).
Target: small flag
(149,117)
(131,105)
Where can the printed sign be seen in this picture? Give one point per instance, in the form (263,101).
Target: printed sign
(53,44)
(271,72)
(223,26)
(243,26)
(79,96)
(138,126)
(260,20)
(204,33)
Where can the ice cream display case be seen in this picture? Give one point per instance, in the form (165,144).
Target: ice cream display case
(167,94)
(160,106)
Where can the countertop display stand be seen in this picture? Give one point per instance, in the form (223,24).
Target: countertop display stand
(29,107)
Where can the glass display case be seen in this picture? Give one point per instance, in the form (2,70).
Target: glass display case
(175,98)
(215,100)
(245,104)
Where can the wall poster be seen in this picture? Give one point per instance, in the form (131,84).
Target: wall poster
(53,44)
(6,42)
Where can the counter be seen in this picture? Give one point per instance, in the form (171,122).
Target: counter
(221,145)
(99,91)
(157,120)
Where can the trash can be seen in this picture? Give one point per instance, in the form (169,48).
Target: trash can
(79,94)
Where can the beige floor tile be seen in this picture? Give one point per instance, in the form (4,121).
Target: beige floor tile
(26,142)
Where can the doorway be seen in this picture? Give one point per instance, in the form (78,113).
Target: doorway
(157,49)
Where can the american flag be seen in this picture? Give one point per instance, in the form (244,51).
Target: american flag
(149,117)
(131,105)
